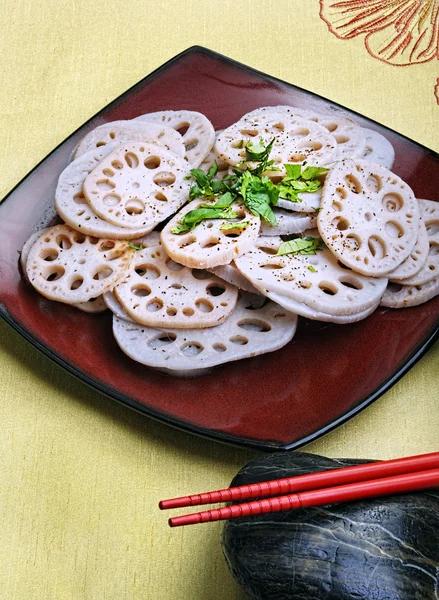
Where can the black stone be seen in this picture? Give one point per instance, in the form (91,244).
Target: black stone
(383,549)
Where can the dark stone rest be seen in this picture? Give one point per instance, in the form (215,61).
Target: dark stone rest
(383,549)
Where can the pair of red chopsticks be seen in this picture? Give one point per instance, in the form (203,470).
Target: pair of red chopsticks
(369,480)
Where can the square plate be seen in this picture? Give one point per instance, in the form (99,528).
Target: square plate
(327,374)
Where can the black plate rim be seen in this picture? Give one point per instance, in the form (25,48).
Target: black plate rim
(160,416)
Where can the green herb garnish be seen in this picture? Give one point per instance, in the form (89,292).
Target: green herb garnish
(195,217)
(233,225)
(312,269)
(134,247)
(304,245)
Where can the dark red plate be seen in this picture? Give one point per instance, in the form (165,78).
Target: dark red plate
(327,374)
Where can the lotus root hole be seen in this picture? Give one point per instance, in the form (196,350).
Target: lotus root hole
(108,172)
(351,282)
(53,273)
(201,274)
(117,164)
(368,216)
(105,185)
(249,132)
(176,286)
(188,312)
(341,192)
(340,223)
(192,348)
(374,183)
(279,315)
(254,325)
(134,206)
(111,199)
(338,206)
(103,273)
(187,241)
(191,145)
(182,128)
(135,185)
(99,144)
(215,290)
(152,162)
(392,202)
(432,228)
(76,283)
(394,288)
(328,288)
(150,271)
(272,266)
(171,311)
(163,339)
(296,158)
(224,304)
(433,250)
(106,245)
(154,305)
(329,126)
(79,238)
(49,254)
(79,198)
(394,230)
(279,126)
(341,139)
(204,305)
(141,290)
(377,246)
(268,250)
(164,179)
(63,242)
(173,266)
(219,347)
(211,242)
(353,184)
(240,340)
(82,261)
(353,242)
(299,132)
(132,160)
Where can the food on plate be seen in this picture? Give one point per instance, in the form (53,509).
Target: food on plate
(375,549)
(235,255)
(249,331)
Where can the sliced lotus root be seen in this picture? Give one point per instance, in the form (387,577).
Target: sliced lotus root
(137,185)
(74,209)
(378,149)
(296,140)
(318,280)
(70,267)
(430,268)
(113,304)
(92,306)
(196,131)
(289,223)
(309,202)
(368,217)
(123,131)
(27,246)
(247,332)
(404,296)
(350,138)
(301,309)
(207,245)
(232,275)
(417,259)
(159,292)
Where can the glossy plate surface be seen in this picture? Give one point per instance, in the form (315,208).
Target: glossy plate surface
(277,401)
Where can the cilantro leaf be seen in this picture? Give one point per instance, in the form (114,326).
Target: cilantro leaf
(312,269)
(212,171)
(258,196)
(293,171)
(304,245)
(134,247)
(196,216)
(231,225)
(313,172)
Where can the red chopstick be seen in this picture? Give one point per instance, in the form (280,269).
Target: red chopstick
(311,481)
(344,493)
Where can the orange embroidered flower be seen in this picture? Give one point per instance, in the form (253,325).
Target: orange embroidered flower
(399,32)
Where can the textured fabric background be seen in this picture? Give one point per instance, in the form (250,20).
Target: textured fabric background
(80,476)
